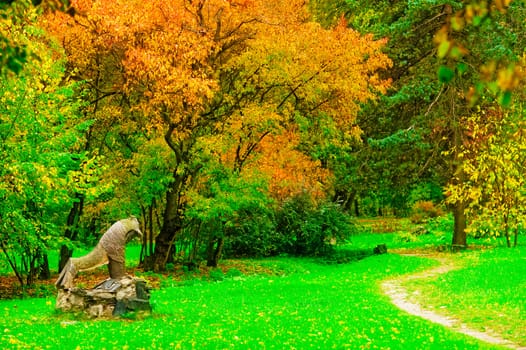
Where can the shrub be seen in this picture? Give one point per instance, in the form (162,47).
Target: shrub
(232,273)
(216,275)
(306,228)
(252,235)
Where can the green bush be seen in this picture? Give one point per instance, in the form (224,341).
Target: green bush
(253,234)
(307,228)
(231,273)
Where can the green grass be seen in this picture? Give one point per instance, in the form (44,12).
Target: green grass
(317,306)
(489,291)
(306,303)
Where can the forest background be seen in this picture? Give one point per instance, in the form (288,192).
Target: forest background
(255,128)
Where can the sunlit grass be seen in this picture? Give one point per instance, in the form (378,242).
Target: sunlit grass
(300,304)
(319,306)
(488,292)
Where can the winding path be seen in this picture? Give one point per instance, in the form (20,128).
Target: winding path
(400,297)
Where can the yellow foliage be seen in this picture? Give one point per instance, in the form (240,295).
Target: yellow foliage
(494,163)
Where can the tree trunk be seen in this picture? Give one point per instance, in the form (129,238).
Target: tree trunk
(71,229)
(214,250)
(164,244)
(44,273)
(345,198)
(459,232)
(172,225)
(459,177)
(507,229)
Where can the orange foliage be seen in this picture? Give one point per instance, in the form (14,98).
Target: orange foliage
(236,72)
(166,57)
(290,171)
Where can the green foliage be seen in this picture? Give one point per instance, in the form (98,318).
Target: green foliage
(216,275)
(154,165)
(308,228)
(13,54)
(426,191)
(232,207)
(254,234)
(445,74)
(440,226)
(38,152)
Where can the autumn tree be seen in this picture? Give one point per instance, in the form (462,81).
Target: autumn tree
(494,163)
(13,54)
(107,137)
(196,70)
(485,70)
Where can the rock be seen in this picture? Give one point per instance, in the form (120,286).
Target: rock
(109,298)
(380,249)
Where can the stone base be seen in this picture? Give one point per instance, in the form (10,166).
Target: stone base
(109,298)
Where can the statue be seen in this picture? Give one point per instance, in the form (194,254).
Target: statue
(118,294)
(109,250)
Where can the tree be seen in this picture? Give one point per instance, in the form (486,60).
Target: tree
(14,55)
(477,35)
(494,164)
(39,132)
(197,70)
(443,55)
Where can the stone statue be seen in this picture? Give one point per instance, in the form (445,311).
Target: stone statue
(109,250)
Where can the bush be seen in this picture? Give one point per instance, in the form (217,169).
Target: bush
(424,210)
(252,235)
(308,229)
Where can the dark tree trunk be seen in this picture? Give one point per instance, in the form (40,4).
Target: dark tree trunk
(44,273)
(214,250)
(507,228)
(172,225)
(459,214)
(459,178)
(459,232)
(164,245)
(71,229)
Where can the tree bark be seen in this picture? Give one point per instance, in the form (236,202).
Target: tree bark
(215,248)
(459,232)
(459,176)
(172,224)
(44,273)
(71,229)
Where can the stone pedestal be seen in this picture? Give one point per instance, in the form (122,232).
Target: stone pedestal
(109,298)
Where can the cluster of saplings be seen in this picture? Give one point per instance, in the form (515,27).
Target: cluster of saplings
(299,227)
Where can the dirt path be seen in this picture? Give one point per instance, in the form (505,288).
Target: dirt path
(399,296)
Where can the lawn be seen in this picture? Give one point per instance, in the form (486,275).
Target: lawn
(314,305)
(488,291)
(296,303)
